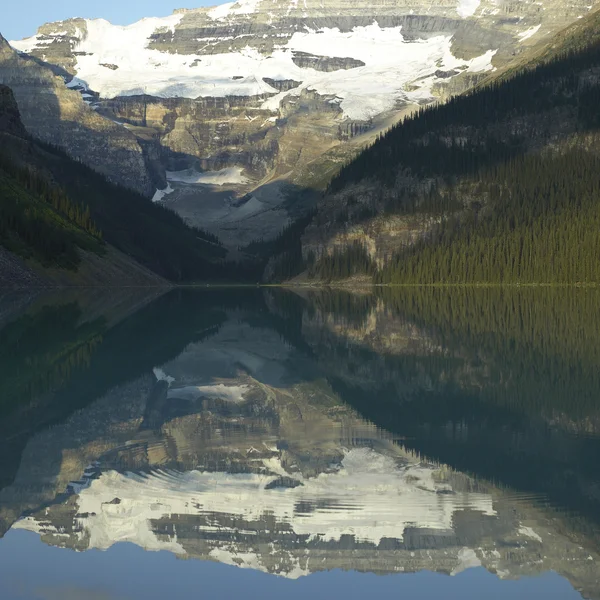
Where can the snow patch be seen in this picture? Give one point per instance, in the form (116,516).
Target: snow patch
(162,376)
(467,8)
(483,62)
(530,533)
(229,393)
(39,527)
(242,7)
(160,194)
(391,65)
(525,35)
(467,560)
(247,560)
(28,44)
(229,175)
(395,69)
(370,497)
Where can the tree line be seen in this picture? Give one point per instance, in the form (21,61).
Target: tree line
(504,180)
(51,193)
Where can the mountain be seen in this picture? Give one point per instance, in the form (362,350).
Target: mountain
(64,224)
(251,106)
(54,114)
(498,185)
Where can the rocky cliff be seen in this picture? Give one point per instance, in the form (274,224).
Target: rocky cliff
(20,264)
(59,116)
(261,91)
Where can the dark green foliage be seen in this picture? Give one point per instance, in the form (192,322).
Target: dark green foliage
(42,350)
(38,220)
(541,226)
(540,345)
(152,234)
(52,194)
(504,180)
(589,106)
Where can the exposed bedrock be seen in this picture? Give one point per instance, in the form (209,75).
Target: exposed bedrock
(59,116)
(275,88)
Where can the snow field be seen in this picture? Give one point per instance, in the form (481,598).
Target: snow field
(391,64)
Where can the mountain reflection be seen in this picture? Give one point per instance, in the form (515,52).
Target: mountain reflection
(384,431)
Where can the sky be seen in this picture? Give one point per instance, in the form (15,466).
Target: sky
(21,18)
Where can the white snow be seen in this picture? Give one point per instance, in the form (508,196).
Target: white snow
(391,64)
(160,194)
(525,35)
(530,533)
(162,376)
(467,560)
(483,62)
(229,393)
(229,175)
(369,497)
(467,8)
(242,7)
(39,527)
(247,560)
(77,83)
(29,44)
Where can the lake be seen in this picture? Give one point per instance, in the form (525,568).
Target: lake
(266,443)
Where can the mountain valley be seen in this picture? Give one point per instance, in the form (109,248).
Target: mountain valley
(239,115)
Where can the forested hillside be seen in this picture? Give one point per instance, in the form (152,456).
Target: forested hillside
(497,186)
(39,221)
(52,208)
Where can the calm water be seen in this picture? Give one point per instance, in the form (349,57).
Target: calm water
(250,443)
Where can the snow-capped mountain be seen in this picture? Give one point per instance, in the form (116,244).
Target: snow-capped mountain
(268,92)
(59,116)
(367,70)
(369,56)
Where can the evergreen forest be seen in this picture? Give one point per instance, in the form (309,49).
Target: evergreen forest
(501,185)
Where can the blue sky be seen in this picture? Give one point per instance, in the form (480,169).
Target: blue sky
(21,18)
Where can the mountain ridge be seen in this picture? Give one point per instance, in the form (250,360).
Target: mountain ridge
(57,115)
(252,448)
(270,88)
(64,224)
(443,184)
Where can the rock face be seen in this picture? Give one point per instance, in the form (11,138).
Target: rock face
(10,119)
(59,116)
(271,86)
(113,267)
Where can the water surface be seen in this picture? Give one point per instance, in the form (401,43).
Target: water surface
(266,443)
